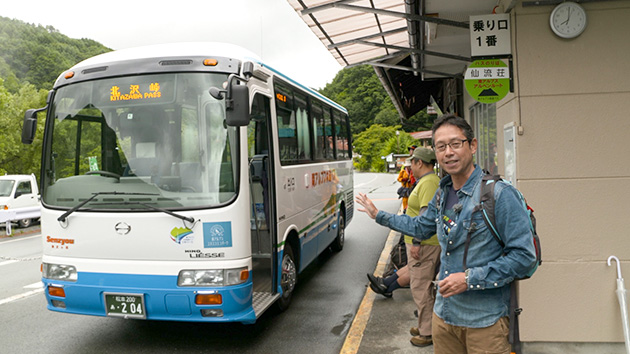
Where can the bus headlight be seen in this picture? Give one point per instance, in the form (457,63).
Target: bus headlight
(59,272)
(212,277)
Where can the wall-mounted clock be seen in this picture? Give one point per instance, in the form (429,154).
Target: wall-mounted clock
(568,20)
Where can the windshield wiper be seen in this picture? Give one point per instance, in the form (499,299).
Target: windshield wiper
(179,216)
(65,215)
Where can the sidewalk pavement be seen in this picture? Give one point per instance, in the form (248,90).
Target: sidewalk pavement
(382,324)
(387,330)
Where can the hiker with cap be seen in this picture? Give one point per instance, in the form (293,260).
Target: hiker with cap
(470,314)
(422,256)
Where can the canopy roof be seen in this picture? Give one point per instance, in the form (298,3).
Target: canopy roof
(413,45)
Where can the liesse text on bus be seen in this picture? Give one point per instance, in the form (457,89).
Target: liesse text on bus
(199,254)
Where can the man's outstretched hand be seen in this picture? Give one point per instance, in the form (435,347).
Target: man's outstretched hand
(368,207)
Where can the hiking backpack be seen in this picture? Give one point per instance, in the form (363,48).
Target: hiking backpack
(486,207)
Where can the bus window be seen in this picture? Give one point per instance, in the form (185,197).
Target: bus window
(287,126)
(257,143)
(342,136)
(318,129)
(287,137)
(303,136)
(82,144)
(328,128)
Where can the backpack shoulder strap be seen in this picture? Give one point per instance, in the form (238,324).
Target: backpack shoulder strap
(487,201)
(438,198)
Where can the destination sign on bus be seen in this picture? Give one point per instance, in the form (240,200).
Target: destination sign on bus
(135,90)
(281,97)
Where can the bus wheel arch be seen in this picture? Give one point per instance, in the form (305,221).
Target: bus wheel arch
(288,271)
(338,242)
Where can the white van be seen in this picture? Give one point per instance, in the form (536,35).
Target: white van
(19,199)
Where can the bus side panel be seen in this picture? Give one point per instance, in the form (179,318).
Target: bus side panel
(309,199)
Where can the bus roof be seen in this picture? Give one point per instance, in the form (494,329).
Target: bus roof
(172,50)
(187,49)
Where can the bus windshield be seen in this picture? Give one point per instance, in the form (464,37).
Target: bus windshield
(157,141)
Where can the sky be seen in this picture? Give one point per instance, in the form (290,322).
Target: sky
(269,28)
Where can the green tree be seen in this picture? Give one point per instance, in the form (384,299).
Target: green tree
(38,54)
(31,59)
(419,122)
(15,157)
(377,142)
(388,115)
(359,90)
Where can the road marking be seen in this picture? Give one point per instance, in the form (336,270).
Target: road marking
(38,285)
(364,183)
(21,296)
(21,238)
(355,334)
(8,262)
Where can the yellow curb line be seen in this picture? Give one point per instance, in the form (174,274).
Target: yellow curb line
(355,334)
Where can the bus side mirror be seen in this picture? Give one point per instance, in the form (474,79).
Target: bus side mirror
(29,127)
(237,113)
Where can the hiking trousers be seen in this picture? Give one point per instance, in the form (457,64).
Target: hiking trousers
(449,339)
(421,272)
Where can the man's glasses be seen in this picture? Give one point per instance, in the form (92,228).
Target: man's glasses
(454,145)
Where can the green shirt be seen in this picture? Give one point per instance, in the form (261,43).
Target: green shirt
(420,198)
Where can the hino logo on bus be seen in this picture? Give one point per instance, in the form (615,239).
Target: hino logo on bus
(199,254)
(122,228)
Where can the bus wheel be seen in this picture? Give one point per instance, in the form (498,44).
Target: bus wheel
(288,278)
(337,244)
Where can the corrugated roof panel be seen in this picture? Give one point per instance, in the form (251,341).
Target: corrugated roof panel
(339,24)
(342,25)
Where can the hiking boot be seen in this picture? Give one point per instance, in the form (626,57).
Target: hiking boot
(421,341)
(414,331)
(378,286)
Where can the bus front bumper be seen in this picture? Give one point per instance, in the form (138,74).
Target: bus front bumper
(151,297)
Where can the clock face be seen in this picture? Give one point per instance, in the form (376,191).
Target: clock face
(568,20)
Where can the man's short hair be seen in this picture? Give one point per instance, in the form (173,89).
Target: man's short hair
(451,119)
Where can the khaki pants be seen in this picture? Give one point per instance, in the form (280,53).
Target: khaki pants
(421,273)
(448,339)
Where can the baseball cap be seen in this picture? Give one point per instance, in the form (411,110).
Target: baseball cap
(424,154)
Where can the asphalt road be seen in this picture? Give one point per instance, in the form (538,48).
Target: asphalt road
(324,304)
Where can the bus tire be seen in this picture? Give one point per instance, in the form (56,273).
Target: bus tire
(288,278)
(337,244)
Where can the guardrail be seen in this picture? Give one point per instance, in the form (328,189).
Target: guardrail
(7,216)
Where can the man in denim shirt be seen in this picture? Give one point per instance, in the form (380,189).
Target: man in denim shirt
(471,308)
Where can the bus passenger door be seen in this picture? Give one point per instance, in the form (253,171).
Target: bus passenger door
(261,190)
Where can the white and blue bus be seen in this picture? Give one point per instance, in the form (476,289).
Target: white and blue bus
(187,182)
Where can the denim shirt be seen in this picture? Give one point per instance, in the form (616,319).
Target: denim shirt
(491,268)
